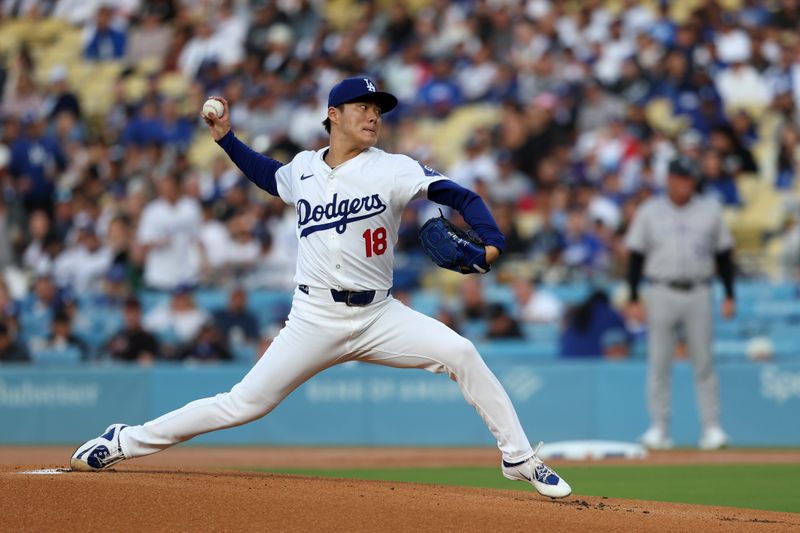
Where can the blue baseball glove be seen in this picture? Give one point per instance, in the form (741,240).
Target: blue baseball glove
(453,248)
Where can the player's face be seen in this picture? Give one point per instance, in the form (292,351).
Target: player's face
(360,122)
(680,188)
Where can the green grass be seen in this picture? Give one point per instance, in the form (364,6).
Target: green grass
(772,487)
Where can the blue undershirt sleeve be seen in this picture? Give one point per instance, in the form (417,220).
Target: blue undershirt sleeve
(258,168)
(471,207)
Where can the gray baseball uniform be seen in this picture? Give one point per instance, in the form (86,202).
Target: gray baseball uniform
(679,244)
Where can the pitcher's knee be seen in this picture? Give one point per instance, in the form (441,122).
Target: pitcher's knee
(244,408)
(461,351)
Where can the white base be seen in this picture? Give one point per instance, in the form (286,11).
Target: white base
(45,472)
(578,450)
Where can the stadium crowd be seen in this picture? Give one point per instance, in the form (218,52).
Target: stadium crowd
(102,211)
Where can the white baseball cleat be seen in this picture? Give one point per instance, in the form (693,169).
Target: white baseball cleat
(99,453)
(713,439)
(656,438)
(534,471)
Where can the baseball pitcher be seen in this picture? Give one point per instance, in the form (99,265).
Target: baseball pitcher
(348,198)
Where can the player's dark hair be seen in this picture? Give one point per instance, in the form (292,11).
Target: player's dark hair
(327,122)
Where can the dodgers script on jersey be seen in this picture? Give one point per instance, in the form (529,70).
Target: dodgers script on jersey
(348,216)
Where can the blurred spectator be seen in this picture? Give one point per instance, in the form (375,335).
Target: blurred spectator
(265,15)
(472,300)
(115,289)
(440,94)
(22,96)
(168,235)
(304,128)
(536,306)
(208,347)
(501,325)
(236,323)
(599,107)
(736,157)
(617,47)
(60,98)
(175,129)
(594,329)
(35,256)
(106,41)
(214,239)
(477,163)
(584,253)
(547,242)
(61,339)
(82,267)
(716,182)
(132,343)
(118,238)
(475,79)
(10,350)
(76,12)
(38,307)
(515,244)
(207,46)
(36,158)
(788,157)
(177,321)
(243,248)
(149,38)
(743,85)
(9,309)
(144,130)
(511,185)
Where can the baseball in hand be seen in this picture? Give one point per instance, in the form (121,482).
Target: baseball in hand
(213,106)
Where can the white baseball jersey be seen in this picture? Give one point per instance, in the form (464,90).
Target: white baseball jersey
(346,235)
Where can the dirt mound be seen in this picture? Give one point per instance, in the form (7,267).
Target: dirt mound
(185,489)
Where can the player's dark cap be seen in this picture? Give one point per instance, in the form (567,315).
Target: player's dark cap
(359,89)
(684,168)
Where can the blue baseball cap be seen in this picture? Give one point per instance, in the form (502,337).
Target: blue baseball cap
(355,89)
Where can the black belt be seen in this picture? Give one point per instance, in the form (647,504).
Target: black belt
(351,298)
(684,285)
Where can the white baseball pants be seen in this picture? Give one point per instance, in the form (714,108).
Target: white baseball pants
(321,333)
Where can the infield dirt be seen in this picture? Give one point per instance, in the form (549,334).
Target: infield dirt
(195,493)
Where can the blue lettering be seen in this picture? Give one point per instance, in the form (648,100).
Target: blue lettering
(303,212)
(330,207)
(337,213)
(343,205)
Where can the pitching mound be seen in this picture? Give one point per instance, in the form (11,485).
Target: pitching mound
(145,496)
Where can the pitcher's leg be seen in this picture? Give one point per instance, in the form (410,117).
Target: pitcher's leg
(404,338)
(296,354)
(699,337)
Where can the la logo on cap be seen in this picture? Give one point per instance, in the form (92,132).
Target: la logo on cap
(370,85)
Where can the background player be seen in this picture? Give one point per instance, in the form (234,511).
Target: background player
(675,240)
(348,198)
